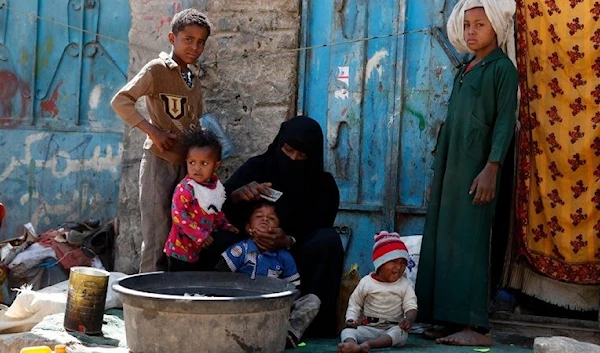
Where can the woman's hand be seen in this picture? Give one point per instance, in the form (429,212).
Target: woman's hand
(250,192)
(274,239)
(484,185)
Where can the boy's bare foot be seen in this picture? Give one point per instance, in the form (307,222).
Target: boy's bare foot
(353,347)
(466,337)
(433,334)
(348,347)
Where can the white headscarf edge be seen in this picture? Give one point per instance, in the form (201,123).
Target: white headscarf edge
(501,15)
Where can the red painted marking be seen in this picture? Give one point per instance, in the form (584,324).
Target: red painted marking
(49,105)
(8,91)
(344,111)
(175,8)
(162,21)
(9,87)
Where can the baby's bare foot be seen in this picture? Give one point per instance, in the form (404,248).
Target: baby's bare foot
(365,348)
(349,347)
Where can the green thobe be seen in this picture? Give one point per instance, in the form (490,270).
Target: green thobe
(452,281)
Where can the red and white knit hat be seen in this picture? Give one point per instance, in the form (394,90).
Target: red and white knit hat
(388,246)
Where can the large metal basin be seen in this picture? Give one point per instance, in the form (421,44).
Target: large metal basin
(236,315)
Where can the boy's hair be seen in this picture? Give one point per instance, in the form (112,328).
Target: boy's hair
(189,17)
(259,204)
(200,137)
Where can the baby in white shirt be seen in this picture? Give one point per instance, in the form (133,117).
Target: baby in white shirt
(383,306)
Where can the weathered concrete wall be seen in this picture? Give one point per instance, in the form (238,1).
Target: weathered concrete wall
(249,78)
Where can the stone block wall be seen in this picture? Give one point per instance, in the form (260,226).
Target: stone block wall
(249,74)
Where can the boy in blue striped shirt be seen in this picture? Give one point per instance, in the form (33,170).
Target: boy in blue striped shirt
(249,258)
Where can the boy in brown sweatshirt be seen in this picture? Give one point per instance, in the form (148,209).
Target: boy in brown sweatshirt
(174,101)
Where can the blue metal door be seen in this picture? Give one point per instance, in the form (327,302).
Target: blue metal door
(376,77)
(60,142)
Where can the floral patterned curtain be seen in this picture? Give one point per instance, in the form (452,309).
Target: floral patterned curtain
(558,171)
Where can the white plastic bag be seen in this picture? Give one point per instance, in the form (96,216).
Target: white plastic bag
(413,243)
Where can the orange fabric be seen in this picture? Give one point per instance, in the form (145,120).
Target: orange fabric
(558,190)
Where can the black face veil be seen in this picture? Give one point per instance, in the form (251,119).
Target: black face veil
(296,176)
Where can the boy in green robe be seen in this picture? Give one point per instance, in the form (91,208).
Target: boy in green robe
(452,283)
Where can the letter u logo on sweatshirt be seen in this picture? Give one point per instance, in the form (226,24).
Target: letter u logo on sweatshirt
(174,105)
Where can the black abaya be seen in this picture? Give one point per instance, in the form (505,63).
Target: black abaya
(306,210)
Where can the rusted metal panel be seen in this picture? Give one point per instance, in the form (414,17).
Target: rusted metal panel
(377,81)
(60,64)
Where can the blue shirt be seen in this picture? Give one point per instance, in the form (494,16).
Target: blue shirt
(245,257)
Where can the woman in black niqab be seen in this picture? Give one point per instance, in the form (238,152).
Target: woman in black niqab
(293,164)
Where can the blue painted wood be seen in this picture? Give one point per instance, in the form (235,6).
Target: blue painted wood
(17,60)
(344,96)
(381,121)
(428,75)
(80,67)
(61,141)
(52,177)
(317,63)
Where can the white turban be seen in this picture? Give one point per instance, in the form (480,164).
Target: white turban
(501,15)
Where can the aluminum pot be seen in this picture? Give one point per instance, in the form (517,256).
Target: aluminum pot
(205,312)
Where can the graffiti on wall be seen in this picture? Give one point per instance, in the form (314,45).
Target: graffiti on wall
(51,178)
(60,142)
(14,95)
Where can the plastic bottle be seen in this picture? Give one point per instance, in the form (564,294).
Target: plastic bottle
(37,349)
(210,123)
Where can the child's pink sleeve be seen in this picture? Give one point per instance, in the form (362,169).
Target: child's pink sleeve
(186,218)
(221,221)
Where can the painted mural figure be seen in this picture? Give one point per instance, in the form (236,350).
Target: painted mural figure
(198,199)
(452,284)
(293,164)
(174,101)
(385,300)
